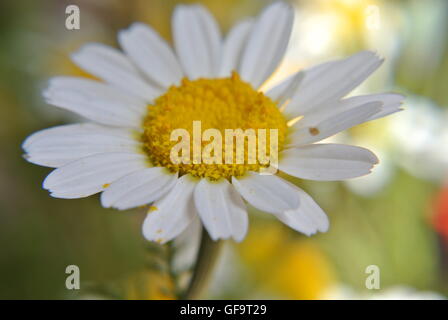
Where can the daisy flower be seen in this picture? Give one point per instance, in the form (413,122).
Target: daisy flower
(148,89)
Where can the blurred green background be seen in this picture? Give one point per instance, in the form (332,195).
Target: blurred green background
(395,218)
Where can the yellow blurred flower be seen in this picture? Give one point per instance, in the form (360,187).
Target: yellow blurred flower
(149,285)
(294,268)
(349,20)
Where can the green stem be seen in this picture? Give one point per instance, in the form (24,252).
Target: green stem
(205,261)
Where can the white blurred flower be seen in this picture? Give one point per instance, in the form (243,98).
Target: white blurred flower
(420,138)
(398,292)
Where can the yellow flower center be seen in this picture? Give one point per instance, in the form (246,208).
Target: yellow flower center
(221,104)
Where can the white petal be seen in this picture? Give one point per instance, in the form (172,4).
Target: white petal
(221,209)
(173,213)
(152,54)
(308,218)
(390,104)
(96,101)
(197,41)
(267,43)
(298,221)
(138,188)
(286,89)
(267,193)
(328,82)
(114,67)
(92,174)
(327,162)
(68,130)
(286,201)
(234,46)
(55,147)
(335,124)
